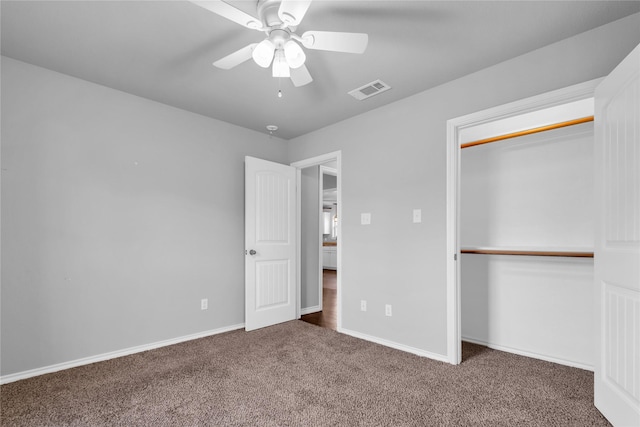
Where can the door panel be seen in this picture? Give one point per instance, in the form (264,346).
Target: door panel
(617,244)
(272,283)
(270,243)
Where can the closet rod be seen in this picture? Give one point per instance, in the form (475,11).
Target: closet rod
(527,132)
(530,253)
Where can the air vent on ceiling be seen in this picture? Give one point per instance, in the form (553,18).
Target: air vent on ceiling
(370,89)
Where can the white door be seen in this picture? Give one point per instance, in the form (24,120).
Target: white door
(270,243)
(617,244)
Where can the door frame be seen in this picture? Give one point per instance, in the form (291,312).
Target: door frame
(299,165)
(454,129)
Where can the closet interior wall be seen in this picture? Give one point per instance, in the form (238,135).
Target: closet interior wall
(530,193)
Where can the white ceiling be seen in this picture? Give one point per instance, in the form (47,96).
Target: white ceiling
(163,50)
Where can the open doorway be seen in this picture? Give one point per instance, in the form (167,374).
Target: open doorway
(327,317)
(319,211)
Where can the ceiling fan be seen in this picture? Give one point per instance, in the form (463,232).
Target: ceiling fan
(281,50)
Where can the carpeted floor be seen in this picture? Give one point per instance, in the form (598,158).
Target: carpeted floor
(297,374)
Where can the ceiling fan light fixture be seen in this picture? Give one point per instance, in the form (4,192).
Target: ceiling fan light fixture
(280,66)
(263,53)
(294,54)
(283,49)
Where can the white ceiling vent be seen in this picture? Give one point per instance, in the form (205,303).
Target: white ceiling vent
(370,89)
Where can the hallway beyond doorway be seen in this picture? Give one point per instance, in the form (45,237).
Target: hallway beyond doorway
(328,317)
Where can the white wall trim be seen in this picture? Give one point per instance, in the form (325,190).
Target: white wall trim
(113,354)
(327,170)
(318,160)
(532,355)
(397,346)
(454,126)
(546,100)
(309,310)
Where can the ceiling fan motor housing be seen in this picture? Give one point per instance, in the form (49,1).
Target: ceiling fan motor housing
(268,13)
(279,37)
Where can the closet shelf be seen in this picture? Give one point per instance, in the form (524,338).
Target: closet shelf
(555,252)
(527,132)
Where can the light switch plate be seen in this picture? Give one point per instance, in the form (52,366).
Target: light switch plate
(365,218)
(417,215)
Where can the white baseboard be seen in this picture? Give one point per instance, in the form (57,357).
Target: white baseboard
(530,354)
(397,346)
(309,310)
(113,354)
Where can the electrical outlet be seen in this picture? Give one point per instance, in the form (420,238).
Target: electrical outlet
(204,304)
(365,219)
(387,310)
(363,305)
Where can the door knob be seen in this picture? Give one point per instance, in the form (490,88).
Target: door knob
(252,252)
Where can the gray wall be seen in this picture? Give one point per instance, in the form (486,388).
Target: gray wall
(310,250)
(100,253)
(118,215)
(393,261)
(533,191)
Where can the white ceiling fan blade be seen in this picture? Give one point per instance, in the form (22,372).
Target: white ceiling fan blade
(236,58)
(231,13)
(300,76)
(291,12)
(335,41)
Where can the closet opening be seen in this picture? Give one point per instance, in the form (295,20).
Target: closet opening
(521,226)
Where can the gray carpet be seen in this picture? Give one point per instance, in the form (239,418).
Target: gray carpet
(297,374)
